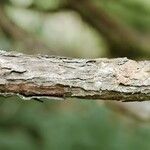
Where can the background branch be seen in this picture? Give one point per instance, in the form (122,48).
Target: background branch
(18,34)
(122,40)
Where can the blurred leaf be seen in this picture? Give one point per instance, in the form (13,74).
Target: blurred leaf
(47,4)
(24,3)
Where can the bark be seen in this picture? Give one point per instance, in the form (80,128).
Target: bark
(52,76)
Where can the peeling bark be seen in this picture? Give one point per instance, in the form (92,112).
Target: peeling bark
(52,76)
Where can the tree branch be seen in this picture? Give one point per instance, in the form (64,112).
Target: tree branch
(51,76)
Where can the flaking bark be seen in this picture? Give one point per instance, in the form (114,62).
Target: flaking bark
(52,76)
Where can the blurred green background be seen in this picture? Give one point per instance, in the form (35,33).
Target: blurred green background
(82,29)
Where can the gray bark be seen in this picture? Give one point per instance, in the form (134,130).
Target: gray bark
(52,76)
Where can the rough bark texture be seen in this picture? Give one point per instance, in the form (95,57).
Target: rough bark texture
(51,76)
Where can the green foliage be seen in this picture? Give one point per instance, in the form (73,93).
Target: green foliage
(66,126)
(135,13)
(47,4)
